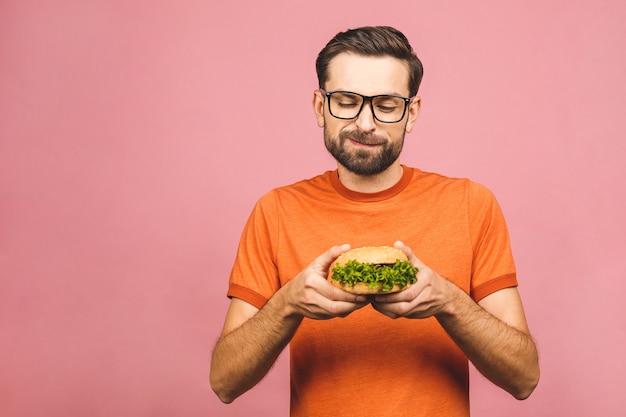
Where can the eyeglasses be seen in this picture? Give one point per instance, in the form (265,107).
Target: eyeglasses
(385,108)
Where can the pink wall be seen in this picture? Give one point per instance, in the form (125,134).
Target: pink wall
(135,137)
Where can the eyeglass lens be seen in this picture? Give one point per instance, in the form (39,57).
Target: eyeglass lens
(389,109)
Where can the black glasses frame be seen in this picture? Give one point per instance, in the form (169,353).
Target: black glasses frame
(407,101)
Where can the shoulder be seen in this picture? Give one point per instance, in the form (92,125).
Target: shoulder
(440,186)
(286,196)
(434,179)
(461,183)
(461,193)
(307,187)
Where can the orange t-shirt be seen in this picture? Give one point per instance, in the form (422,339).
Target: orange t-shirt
(368,364)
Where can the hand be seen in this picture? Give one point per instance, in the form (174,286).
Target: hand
(311,295)
(430,295)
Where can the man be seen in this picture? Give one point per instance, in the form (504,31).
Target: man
(402,354)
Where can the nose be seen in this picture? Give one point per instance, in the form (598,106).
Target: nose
(365,120)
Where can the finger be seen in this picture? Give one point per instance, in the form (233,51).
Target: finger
(332,293)
(336,303)
(381,309)
(396,297)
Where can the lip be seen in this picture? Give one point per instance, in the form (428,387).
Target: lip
(363,145)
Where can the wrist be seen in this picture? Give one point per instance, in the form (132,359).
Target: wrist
(456,300)
(284,307)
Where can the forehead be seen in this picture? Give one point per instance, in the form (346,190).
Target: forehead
(368,75)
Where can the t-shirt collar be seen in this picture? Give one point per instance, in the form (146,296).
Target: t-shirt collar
(407,174)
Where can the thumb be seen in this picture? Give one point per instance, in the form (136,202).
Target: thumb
(322,263)
(409,253)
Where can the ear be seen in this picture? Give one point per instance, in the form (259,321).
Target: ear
(414,111)
(318,107)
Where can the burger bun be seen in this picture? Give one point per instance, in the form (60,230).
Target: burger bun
(369,255)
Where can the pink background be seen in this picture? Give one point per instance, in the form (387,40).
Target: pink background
(136,135)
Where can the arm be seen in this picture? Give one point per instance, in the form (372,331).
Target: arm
(249,345)
(252,339)
(494,336)
(493,333)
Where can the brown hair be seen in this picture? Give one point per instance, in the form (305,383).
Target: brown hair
(373,41)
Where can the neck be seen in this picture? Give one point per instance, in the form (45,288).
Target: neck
(370,183)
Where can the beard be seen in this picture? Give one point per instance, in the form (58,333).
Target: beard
(364,162)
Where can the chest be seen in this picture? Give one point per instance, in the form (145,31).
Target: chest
(436,229)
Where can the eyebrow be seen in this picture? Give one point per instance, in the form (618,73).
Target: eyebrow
(369,95)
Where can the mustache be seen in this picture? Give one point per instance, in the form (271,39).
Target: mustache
(362,137)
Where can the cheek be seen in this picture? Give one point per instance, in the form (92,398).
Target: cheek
(332,128)
(392,133)
(400,130)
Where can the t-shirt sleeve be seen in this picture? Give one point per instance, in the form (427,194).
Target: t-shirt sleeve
(254,276)
(493,267)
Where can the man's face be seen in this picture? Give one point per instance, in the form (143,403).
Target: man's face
(365,146)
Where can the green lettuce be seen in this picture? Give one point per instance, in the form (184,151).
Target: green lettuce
(402,273)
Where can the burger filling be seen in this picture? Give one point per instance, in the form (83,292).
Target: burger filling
(401,273)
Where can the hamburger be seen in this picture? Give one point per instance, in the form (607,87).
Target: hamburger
(373,270)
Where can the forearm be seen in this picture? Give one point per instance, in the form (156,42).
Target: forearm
(252,339)
(505,355)
(243,356)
